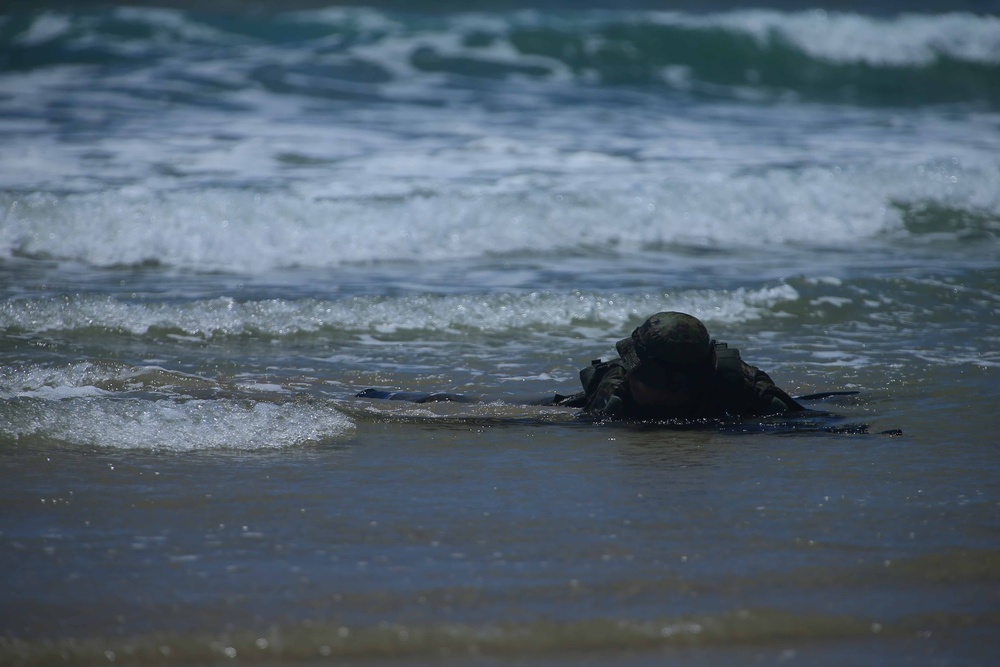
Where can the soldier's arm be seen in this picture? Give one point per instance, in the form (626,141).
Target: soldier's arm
(605,396)
(769,398)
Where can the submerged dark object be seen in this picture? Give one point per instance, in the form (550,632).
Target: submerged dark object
(800,422)
(796,423)
(825,394)
(415,396)
(442,397)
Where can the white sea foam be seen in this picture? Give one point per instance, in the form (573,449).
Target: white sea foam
(454,314)
(903,39)
(46,26)
(175,426)
(236,230)
(907,39)
(69,381)
(88,403)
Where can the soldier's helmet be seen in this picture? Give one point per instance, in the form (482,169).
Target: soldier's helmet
(667,339)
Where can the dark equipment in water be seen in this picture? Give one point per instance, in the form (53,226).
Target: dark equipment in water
(807,421)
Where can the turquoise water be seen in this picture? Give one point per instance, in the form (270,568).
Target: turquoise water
(217,226)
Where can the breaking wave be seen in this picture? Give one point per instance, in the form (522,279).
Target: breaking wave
(829,56)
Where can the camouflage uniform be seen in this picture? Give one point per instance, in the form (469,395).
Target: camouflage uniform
(721,383)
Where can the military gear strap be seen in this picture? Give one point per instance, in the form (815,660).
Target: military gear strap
(591,376)
(729,373)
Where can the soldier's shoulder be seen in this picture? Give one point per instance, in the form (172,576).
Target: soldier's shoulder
(598,371)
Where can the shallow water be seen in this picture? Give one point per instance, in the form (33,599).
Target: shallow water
(217,227)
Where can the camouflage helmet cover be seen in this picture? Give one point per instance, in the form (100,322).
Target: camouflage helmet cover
(669,337)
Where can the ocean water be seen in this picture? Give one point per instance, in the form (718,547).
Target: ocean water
(219,223)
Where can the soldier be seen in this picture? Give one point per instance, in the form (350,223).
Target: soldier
(670,368)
